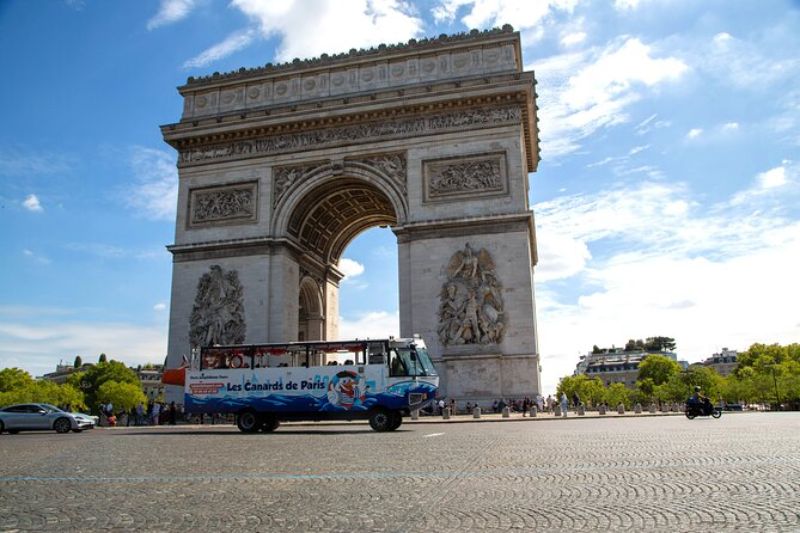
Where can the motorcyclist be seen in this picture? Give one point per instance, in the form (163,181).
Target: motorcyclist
(699,401)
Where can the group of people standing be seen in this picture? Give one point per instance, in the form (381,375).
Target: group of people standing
(155,413)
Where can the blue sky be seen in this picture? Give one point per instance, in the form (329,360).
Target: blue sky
(667,200)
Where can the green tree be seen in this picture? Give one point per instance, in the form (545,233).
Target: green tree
(590,390)
(123,396)
(102,358)
(617,394)
(43,391)
(78,362)
(660,344)
(658,368)
(14,378)
(93,378)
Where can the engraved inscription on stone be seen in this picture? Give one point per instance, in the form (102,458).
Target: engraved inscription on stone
(230,203)
(218,312)
(471,301)
(465,176)
(401,127)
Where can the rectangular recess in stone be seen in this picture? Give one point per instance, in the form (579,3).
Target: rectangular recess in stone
(223,205)
(465,177)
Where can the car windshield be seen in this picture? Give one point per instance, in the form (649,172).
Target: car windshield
(51,408)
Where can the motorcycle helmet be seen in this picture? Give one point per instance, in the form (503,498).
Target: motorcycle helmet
(697,388)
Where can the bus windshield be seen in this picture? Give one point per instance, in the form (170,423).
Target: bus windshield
(410,361)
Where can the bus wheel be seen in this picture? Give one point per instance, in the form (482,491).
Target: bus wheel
(248,421)
(381,420)
(397,419)
(270,424)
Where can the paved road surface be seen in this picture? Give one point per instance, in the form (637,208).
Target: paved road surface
(741,472)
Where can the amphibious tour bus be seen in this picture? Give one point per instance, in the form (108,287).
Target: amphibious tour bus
(379,380)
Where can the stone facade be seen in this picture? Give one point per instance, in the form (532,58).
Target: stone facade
(282,166)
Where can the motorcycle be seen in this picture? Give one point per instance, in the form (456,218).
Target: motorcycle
(705,408)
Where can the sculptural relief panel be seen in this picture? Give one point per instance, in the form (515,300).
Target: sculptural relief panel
(284,178)
(218,312)
(465,177)
(400,127)
(228,204)
(471,309)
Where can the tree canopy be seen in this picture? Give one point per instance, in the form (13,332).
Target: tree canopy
(123,396)
(92,379)
(658,368)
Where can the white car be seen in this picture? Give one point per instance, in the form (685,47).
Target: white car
(37,416)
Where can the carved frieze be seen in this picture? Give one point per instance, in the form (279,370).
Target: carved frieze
(400,127)
(460,177)
(283,178)
(218,312)
(392,165)
(235,203)
(471,301)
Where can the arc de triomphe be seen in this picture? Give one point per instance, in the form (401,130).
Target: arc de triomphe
(281,166)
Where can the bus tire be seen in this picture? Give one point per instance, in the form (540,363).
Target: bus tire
(381,420)
(270,423)
(397,420)
(248,421)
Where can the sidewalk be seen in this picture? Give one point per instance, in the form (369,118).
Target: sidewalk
(456,419)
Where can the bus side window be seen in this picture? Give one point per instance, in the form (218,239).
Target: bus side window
(396,365)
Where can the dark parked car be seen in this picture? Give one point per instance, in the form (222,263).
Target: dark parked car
(37,416)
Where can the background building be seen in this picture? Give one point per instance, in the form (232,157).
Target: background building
(616,365)
(724,362)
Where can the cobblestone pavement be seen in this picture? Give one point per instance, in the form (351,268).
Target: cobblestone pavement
(741,472)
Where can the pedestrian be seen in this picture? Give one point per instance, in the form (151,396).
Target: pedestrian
(564,404)
(441,406)
(139,414)
(576,400)
(156,412)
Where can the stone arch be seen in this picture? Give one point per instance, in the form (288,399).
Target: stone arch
(361,195)
(311,310)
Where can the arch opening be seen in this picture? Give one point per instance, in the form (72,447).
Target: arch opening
(333,214)
(323,222)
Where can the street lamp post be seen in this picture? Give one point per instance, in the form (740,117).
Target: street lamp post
(775,381)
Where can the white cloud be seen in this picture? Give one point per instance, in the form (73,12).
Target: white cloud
(350,268)
(308,28)
(694,133)
(730,127)
(710,276)
(160,306)
(636,149)
(571,39)
(522,14)
(36,258)
(170,11)
(38,348)
(766,183)
(583,92)
(232,43)
(31,203)
(743,63)
(156,193)
(373,325)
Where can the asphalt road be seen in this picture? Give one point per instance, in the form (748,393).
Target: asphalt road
(741,472)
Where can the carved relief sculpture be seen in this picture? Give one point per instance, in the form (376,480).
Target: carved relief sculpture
(284,177)
(471,301)
(222,204)
(218,313)
(465,176)
(392,165)
(405,127)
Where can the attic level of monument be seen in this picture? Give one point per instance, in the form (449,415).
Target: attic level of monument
(381,52)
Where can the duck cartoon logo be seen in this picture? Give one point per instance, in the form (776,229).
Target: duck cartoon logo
(346,390)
